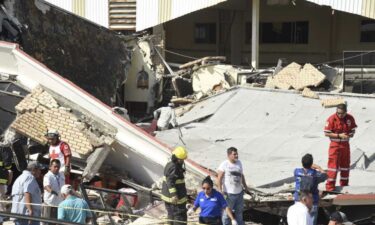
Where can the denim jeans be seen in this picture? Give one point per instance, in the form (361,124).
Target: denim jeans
(314,214)
(235,203)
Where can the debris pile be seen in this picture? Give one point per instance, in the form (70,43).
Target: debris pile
(203,77)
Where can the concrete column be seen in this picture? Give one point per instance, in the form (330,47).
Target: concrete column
(255,35)
(236,38)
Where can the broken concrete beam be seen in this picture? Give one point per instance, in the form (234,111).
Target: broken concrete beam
(95,161)
(332,102)
(203,61)
(308,93)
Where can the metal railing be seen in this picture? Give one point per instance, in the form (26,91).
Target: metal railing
(35,218)
(359,71)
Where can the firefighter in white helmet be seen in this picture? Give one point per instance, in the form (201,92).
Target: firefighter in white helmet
(174,192)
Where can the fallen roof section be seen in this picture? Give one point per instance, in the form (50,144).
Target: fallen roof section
(273,129)
(134,150)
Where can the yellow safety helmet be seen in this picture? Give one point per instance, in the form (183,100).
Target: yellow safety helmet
(180,153)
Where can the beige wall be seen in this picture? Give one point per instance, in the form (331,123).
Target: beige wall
(329,33)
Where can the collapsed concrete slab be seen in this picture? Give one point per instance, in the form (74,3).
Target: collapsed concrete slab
(272,129)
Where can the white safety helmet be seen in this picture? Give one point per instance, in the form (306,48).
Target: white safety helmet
(52,133)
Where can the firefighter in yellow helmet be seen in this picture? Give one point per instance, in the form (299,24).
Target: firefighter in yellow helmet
(174,190)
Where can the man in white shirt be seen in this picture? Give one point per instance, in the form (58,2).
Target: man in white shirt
(299,213)
(231,182)
(165,116)
(52,183)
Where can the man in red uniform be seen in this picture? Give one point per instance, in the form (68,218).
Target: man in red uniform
(61,151)
(340,127)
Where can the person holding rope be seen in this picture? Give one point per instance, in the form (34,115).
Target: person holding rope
(212,204)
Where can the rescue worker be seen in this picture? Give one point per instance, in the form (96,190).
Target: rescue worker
(174,190)
(340,127)
(165,117)
(6,174)
(61,151)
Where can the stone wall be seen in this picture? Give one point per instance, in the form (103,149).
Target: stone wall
(87,54)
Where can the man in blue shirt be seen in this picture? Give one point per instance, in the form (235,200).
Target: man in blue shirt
(26,194)
(212,204)
(308,179)
(73,209)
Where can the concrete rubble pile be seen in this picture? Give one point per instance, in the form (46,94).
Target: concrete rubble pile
(203,77)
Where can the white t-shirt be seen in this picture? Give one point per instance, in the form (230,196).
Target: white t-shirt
(298,214)
(56,182)
(232,180)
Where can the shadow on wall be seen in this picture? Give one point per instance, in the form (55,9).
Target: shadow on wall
(87,54)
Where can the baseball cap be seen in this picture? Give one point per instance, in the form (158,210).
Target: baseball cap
(341,218)
(67,189)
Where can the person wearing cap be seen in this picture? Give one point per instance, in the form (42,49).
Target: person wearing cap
(340,128)
(174,192)
(339,218)
(26,194)
(59,150)
(52,183)
(73,209)
(231,182)
(165,117)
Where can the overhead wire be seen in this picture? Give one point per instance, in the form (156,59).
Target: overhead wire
(104,212)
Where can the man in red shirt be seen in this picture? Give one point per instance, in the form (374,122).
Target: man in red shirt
(61,151)
(340,127)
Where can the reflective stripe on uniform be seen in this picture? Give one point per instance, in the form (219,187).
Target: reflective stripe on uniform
(344,169)
(3,181)
(332,169)
(344,178)
(340,140)
(180,181)
(172,190)
(169,200)
(331,179)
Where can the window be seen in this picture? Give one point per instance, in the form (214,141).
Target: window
(286,32)
(205,33)
(368,31)
(248,33)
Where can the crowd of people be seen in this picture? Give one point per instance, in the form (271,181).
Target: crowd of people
(225,205)
(59,201)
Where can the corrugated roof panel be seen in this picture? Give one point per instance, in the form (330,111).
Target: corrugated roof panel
(152,13)
(64,4)
(360,7)
(122,14)
(97,11)
(368,8)
(79,7)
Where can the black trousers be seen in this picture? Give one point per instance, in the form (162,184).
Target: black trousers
(177,214)
(211,220)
